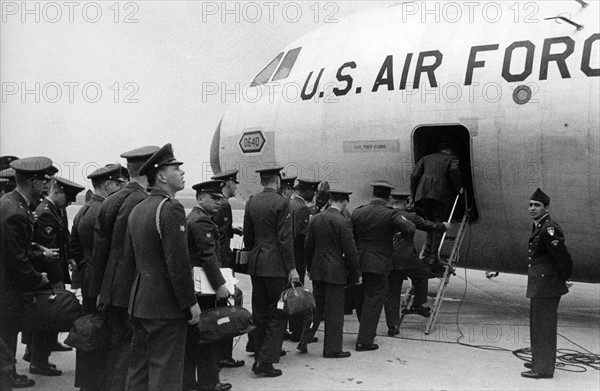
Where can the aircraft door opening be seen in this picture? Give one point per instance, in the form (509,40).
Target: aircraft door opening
(426,140)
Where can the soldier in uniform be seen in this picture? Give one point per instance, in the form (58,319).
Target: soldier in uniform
(287,186)
(374,227)
(17,274)
(105,180)
(224,219)
(305,192)
(434,184)
(162,296)
(268,236)
(406,264)
(550,266)
(113,276)
(331,257)
(50,231)
(203,245)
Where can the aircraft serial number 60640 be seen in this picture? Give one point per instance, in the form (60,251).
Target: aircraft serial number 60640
(367,97)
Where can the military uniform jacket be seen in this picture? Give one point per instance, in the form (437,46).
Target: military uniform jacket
(436,176)
(81,244)
(550,264)
(268,235)
(113,276)
(51,232)
(163,287)
(224,220)
(329,249)
(300,217)
(203,245)
(374,227)
(16,233)
(405,255)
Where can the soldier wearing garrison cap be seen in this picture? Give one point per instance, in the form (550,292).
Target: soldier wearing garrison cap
(304,194)
(203,245)
(224,219)
(374,227)
(89,366)
(549,267)
(434,183)
(113,276)
(406,264)
(268,237)
(332,259)
(51,231)
(17,253)
(162,295)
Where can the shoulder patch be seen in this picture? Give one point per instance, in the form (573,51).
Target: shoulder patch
(555,242)
(551,231)
(182,228)
(48,230)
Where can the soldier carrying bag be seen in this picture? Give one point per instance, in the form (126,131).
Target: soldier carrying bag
(48,310)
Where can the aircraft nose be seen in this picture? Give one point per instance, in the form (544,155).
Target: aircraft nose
(215,161)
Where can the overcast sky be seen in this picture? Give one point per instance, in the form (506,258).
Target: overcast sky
(83,82)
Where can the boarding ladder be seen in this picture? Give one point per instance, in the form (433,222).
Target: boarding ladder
(452,260)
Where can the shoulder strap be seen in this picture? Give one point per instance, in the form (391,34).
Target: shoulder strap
(160,206)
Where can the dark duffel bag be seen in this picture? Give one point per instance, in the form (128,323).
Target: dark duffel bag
(297,300)
(89,333)
(48,310)
(221,323)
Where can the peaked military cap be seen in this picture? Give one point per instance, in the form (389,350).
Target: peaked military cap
(34,166)
(163,157)
(288,181)
(5,161)
(308,184)
(226,176)
(110,171)
(539,195)
(70,188)
(399,195)
(214,187)
(339,192)
(382,183)
(266,172)
(140,155)
(7,173)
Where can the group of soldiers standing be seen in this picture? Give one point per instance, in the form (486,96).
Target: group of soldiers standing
(131,249)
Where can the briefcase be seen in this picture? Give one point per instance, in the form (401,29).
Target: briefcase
(48,310)
(221,323)
(296,300)
(241,261)
(89,333)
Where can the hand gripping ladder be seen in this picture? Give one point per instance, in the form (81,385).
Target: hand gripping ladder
(452,260)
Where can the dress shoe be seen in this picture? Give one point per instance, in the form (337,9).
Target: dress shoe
(302,347)
(420,310)
(216,387)
(534,375)
(44,370)
(394,331)
(20,381)
(61,347)
(231,363)
(364,347)
(282,353)
(266,369)
(528,365)
(337,355)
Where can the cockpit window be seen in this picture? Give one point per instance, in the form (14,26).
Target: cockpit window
(266,73)
(287,64)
